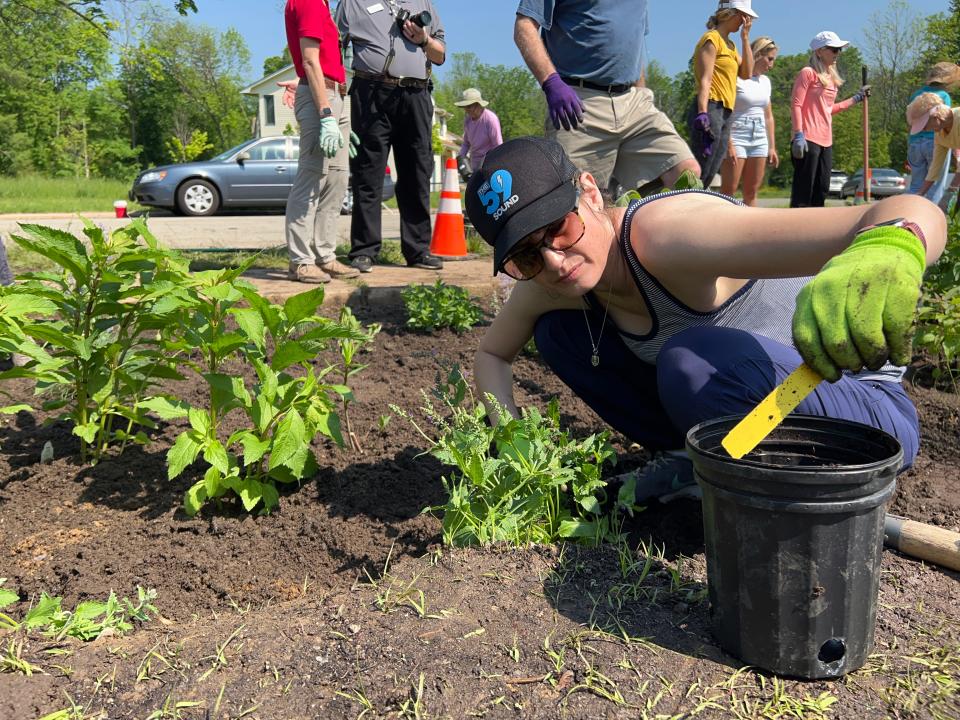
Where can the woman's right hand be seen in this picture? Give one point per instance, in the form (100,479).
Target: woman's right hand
(773,158)
(745,28)
(731,152)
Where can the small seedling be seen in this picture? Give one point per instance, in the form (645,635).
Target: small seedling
(437,306)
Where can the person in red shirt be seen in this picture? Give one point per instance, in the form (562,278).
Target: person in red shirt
(324,119)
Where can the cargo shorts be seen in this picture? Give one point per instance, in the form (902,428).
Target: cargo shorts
(622,136)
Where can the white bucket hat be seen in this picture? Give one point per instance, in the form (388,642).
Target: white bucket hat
(827,39)
(471,96)
(741,5)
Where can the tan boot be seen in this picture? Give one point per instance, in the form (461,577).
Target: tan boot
(337,269)
(306,273)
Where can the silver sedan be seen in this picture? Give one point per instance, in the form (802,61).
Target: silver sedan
(255,174)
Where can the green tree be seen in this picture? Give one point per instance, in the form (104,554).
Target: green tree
(277,62)
(513,93)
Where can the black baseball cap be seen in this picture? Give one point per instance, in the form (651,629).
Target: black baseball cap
(524,185)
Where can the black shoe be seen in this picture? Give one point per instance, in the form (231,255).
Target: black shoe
(427,262)
(363,263)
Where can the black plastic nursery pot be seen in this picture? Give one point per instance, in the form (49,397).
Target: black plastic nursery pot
(794,535)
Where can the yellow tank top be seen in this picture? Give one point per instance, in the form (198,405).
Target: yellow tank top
(723,85)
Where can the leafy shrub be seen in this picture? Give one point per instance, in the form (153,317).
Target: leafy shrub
(285,409)
(93,328)
(520,481)
(431,307)
(938,325)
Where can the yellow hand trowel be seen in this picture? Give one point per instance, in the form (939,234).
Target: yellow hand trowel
(772,410)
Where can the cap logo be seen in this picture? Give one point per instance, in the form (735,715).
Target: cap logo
(495,193)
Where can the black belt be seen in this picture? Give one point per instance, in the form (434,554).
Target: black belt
(615,89)
(340,88)
(390,79)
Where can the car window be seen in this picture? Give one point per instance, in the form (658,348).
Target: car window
(269,150)
(232,151)
(295,149)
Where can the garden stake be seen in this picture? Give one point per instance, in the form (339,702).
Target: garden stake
(867,175)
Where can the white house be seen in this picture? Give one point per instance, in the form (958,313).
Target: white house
(274,118)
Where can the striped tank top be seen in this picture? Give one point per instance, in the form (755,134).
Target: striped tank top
(762,306)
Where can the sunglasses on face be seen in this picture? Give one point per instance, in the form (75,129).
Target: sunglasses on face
(526,261)
(835,50)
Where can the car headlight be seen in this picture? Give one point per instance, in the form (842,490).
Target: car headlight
(153,176)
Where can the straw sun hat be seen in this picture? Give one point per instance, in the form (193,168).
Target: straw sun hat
(471,96)
(921,109)
(944,73)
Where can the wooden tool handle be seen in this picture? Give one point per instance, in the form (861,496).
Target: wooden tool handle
(922,541)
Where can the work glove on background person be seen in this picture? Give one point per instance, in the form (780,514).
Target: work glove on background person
(330,138)
(354,145)
(858,311)
(860,94)
(562,102)
(701,125)
(798,146)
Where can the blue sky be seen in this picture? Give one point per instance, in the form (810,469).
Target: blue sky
(485,27)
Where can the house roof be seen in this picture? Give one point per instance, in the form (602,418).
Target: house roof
(257,87)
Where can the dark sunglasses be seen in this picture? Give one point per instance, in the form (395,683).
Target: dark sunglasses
(526,262)
(836,50)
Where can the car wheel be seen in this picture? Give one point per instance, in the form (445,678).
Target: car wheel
(197,197)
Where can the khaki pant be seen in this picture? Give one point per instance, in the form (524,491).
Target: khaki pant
(622,136)
(313,206)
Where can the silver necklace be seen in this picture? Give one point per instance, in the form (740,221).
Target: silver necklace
(595,355)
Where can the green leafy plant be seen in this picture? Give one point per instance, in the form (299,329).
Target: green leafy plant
(286,408)
(88,620)
(519,481)
(93,328)
(349,347)
(938,320)
(431,307)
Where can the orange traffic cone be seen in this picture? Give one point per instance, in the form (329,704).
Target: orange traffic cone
(449,238)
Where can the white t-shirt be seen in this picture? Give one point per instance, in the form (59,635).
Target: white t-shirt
(753,96)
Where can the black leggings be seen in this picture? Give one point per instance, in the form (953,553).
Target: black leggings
(811,176)
(720,124)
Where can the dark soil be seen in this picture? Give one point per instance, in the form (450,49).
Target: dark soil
(344,596)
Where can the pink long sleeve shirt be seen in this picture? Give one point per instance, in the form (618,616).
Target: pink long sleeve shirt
(480,137)
(813,107)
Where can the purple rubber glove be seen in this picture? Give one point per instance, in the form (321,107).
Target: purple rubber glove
(701,124)
(564,105)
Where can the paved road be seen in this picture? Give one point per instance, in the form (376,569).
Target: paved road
(241,231)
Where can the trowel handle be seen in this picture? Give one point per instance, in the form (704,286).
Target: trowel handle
(922,541)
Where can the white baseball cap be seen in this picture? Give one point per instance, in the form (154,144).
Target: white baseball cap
(741,5)
(827,39)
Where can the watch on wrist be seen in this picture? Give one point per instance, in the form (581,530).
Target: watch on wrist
(900,223)
(326,112)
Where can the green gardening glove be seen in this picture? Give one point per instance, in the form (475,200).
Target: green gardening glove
(330,138)
(354,145)
(858,311)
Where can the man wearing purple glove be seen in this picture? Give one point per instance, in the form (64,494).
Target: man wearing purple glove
(587,56)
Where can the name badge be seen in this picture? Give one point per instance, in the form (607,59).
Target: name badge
(374,8)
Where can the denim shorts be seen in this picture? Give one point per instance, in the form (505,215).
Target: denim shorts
(749,137)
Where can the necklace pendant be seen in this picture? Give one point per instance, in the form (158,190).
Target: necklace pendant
(595,360)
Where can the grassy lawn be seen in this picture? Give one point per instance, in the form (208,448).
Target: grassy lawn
(36,194)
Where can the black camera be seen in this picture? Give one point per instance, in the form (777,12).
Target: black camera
(421,19)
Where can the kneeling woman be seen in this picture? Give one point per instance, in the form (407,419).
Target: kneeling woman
(688,306)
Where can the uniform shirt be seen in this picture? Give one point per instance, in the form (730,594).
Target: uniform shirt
(943,143)
(940,92)
(597,40)
(480,136)
(723,84)
(311,19)
(371,26)
(813,107)
(753,96)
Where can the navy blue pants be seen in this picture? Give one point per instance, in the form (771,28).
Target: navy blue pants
(704,373)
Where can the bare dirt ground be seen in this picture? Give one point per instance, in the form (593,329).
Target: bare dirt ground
(343,603)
